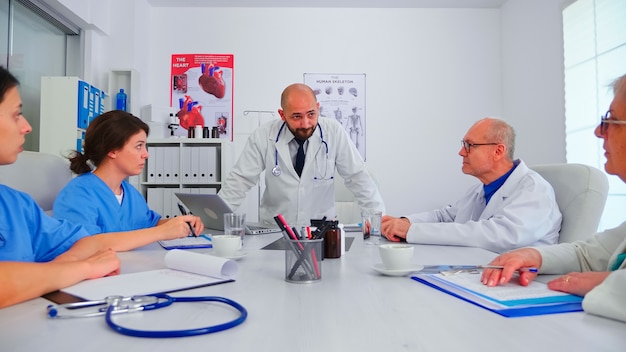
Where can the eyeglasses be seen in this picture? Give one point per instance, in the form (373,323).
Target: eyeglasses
(467,145)
(608,119)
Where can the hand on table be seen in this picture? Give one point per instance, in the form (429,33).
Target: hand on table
(395,229)
(512,262)
(103,263)
(578,283)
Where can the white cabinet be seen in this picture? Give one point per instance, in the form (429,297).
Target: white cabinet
(183,165)
(68,105)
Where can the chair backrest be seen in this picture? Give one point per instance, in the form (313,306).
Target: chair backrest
(347,208)
(581,192)
(40,175)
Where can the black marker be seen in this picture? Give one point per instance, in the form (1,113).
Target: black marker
(184,212)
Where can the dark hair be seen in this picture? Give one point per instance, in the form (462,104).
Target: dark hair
(7,81)
(106,133)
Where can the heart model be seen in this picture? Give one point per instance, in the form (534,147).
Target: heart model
(211,81)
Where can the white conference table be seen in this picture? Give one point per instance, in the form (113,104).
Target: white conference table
(352,308)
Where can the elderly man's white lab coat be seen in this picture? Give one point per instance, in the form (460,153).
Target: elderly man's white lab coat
(311,196)
(523,212)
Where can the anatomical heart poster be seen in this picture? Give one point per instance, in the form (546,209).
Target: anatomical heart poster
(201,88)
(342,97)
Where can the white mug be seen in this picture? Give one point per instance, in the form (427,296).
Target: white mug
(396,256)
(226,245)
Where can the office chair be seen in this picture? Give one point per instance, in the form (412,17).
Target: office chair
(581,192)
(40,175)
(347,208)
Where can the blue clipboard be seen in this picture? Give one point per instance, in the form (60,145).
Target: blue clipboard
(513,312)
(202,241)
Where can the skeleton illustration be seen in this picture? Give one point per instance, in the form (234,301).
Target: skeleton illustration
(356,127)
(338,116)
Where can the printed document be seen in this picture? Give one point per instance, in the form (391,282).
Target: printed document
(185,270)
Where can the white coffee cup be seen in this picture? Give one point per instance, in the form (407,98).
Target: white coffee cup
(396,256)
(226,245)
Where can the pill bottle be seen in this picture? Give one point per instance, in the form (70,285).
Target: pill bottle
(332,241)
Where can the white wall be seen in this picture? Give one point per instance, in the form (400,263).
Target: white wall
(533,79)
(430,74)
(422,65)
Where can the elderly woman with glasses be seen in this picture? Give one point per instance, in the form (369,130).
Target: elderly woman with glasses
(593,268)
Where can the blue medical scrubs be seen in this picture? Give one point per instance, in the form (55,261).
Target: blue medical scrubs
(28,234)
(88,201)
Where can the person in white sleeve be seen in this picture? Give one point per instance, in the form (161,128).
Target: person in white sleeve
(512,207)
(593,268)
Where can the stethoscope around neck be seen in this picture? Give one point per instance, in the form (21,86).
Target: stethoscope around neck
(276,170)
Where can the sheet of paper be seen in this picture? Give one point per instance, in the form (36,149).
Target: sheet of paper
(201,264)
(510,294)
(185,270)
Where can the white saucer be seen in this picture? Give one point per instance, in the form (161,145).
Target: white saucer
(238,255)
(400,272)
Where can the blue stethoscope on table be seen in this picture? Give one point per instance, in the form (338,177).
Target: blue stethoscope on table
(119,304)
(277,171)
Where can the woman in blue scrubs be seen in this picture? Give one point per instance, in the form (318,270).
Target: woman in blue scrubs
(101,199)
(39,254)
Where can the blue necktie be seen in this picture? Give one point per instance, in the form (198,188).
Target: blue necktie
(300,157)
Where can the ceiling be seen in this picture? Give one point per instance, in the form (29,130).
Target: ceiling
(332,3)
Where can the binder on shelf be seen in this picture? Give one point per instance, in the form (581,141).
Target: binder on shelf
(195,165)
(96,105)
(167,164)
(83,104)
(151,165)
(510,300)
(158,165)
(172,202)
(173,160)
(186,165)
(167,203)
(154,198)
(206,161)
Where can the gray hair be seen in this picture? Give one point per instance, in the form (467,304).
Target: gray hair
(619,87)
(501,132)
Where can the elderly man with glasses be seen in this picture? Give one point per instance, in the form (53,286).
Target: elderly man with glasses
(512,207)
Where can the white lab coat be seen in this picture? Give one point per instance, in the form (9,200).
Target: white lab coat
(523,212)
(311,196)
(598,253)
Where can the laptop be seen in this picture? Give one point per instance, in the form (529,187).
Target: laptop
(211,209)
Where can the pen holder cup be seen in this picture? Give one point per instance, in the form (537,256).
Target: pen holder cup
(303,260)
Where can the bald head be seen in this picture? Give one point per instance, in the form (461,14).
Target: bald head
(498,131)
(293,89)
